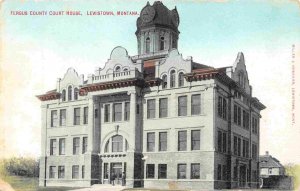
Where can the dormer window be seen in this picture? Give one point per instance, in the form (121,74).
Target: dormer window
(69,93)
(63,95)
(76,92)
(118,69)
(164,81)
(162,43)
(147,45)
(172,79)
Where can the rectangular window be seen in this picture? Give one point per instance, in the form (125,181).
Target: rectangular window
(54,118)
(224,142)
(235,115)
(163,107)
(106,113)
(224,173)
(244,148)
(239,119)
(162,171)
(52,170)
(247,148)
(239,146)
(235,145)
(150,142)
(61,172)
(235,175)
(195,139)
(220,106)
(150,171)
(117,112)
(254,125)
(181,171)
(76,144)
(75,171)
(182,140)
(105,171)
(224,112)
(151,108)
(62,145)
(182,106)
(117,143)
(195,171)
(76,116)
(84,144)
(219,141)
(82,171)
(196,104)
(85,115)
(62,117)
(163,141)
(52,146)
(254,151)
(219,172)
(127,111)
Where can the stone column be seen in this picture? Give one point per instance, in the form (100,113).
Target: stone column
(43,158)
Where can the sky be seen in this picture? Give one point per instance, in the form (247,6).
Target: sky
(36,50)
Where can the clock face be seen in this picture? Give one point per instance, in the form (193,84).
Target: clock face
(148,14)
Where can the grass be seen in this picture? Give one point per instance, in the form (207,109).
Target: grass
(19,183)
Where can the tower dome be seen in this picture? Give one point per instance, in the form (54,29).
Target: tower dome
(157,28)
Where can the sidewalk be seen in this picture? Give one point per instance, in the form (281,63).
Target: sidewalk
(102,187)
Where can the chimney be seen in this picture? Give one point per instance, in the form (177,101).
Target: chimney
(267,153)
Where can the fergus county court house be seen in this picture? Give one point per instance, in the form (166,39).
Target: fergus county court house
(162,119)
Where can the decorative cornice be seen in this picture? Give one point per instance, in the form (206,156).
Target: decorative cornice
(49,96)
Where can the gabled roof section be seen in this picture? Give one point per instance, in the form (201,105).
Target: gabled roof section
(267,161)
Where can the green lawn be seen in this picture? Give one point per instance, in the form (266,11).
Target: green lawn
(19,183)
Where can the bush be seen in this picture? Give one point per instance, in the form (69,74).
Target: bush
(20,166)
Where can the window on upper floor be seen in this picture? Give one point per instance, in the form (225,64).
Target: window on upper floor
(162,43)
(195,171)
(163,143)
(150,108)
(150,170)
(117,112)
(196,104)
(147,45)
(163,107)
(245,148)
(182,140)
(150,142)
(127,111)
(182,105)
(237,115)
(76,145)
(52,146)
(106,112)
(195,135)
(62,117)
(118,69)
(172,78)
(222,107)
(254,125)
(54,118)
(76,120)
(69,93)
(85,115)
(162,171)
(62,145)
(76,93)
(63,95)
(254,151)
(181,171)
(181,79)
(246,117)
(84,144)
(164,81)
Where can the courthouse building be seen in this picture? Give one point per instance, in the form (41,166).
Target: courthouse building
(162,119)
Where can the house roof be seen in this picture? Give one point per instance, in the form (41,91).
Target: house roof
(267,161)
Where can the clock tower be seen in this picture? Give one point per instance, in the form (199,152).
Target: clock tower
(157,29)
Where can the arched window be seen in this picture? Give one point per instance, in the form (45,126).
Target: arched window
(164,81)
(76,92)
(63,95)
(172,79)
(162,43)
(180,79)
(118,69)
(147,45)
(106,150)
(125,69)
(117,143)
(69,93)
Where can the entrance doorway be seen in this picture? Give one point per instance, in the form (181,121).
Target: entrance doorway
(243,172)
(116,170)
